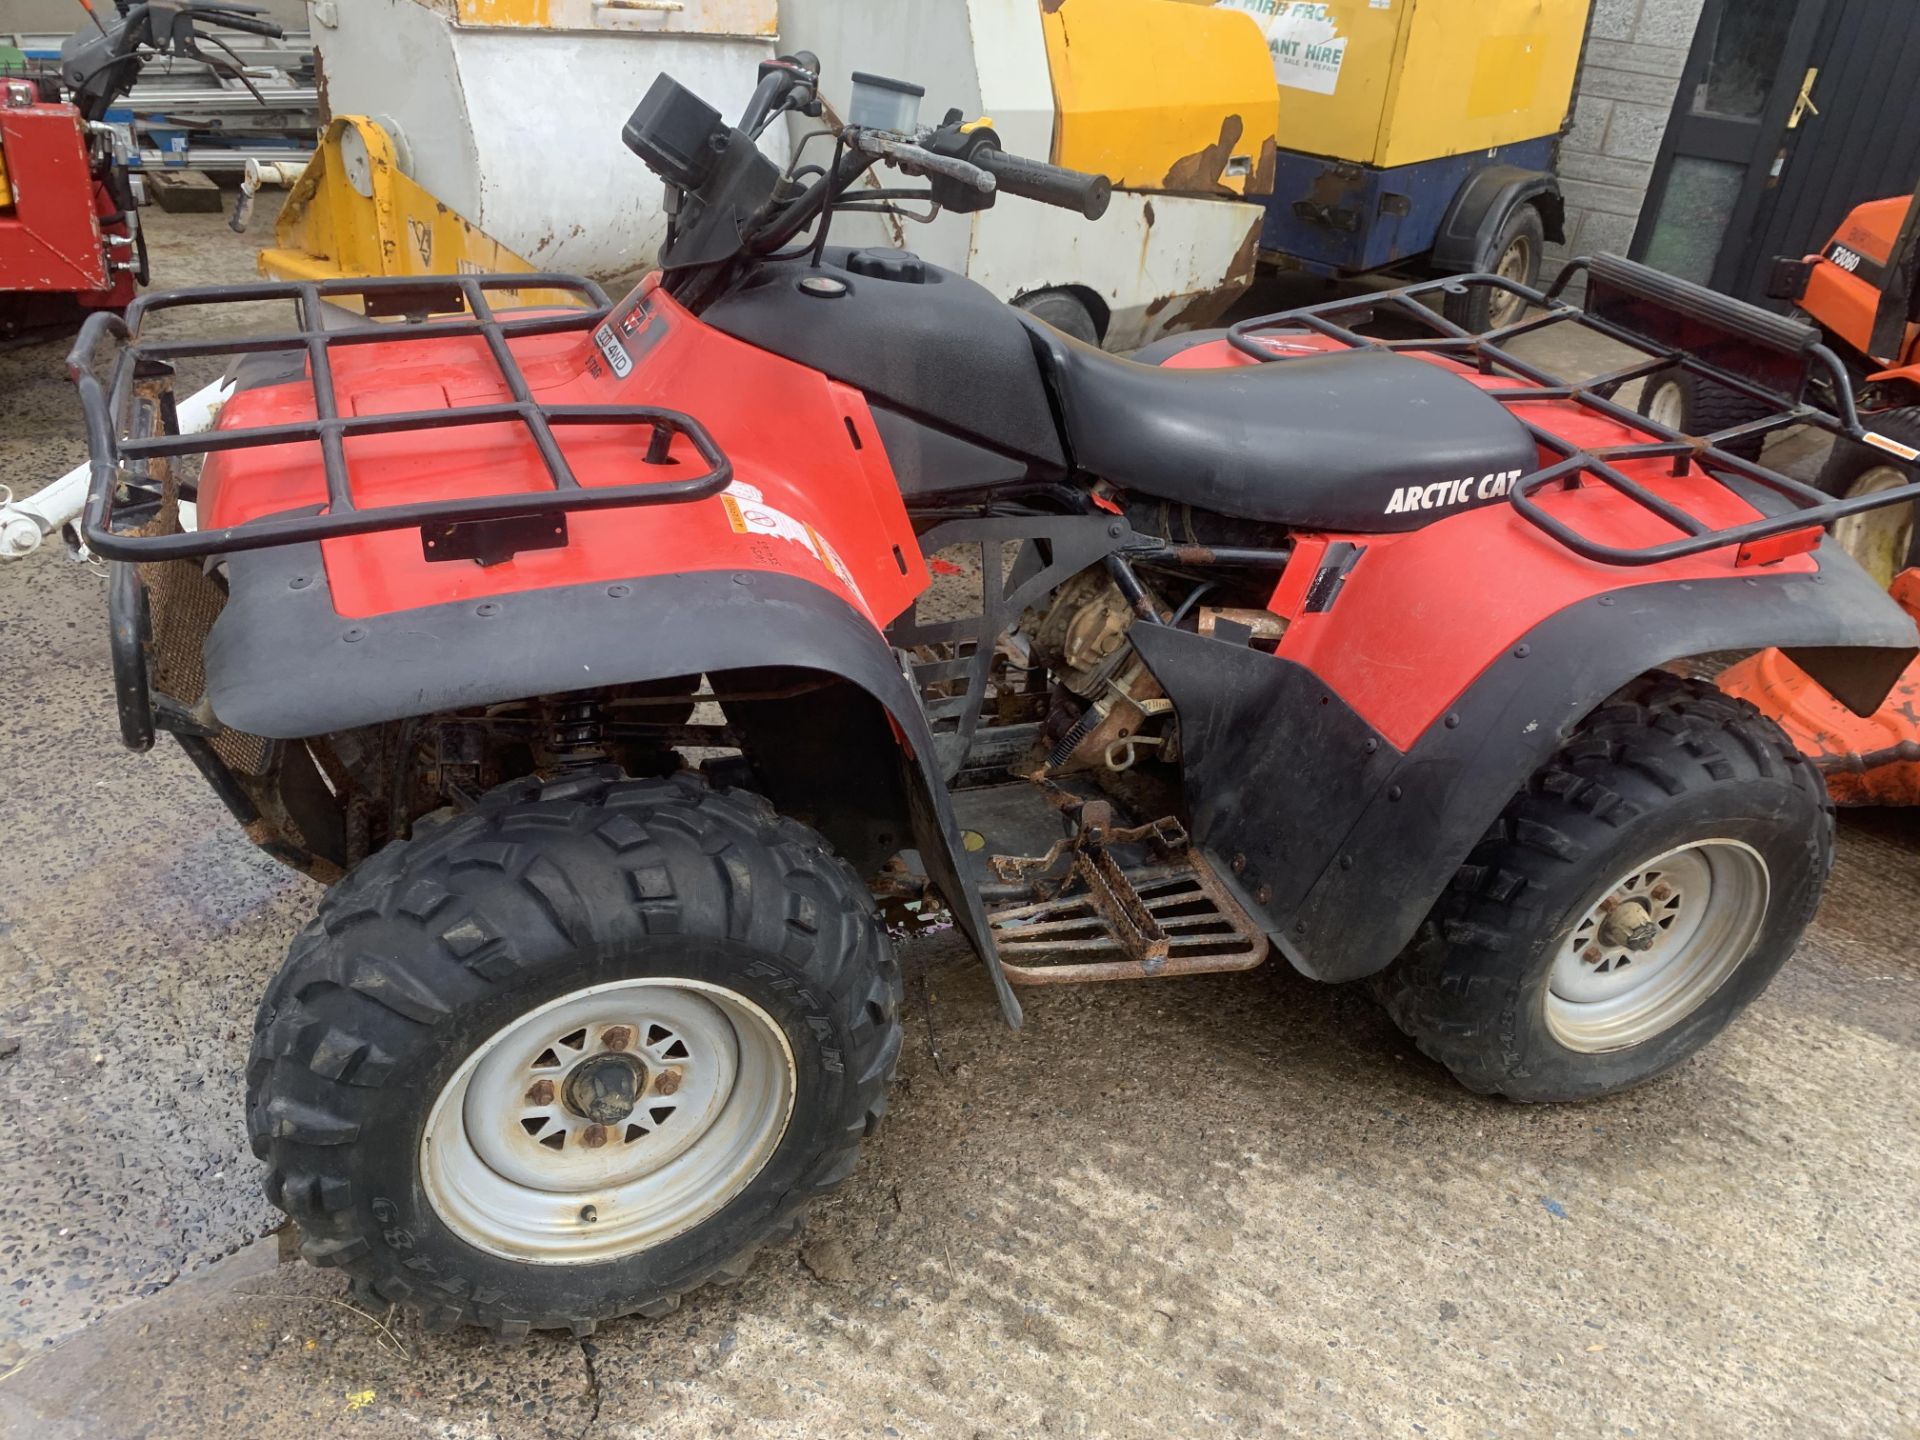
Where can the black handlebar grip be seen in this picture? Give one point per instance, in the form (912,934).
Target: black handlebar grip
(242,21)
(1049,184)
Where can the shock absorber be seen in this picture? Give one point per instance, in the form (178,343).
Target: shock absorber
(1070,742)
(577,735)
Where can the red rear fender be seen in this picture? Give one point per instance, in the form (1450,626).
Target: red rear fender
(812,494)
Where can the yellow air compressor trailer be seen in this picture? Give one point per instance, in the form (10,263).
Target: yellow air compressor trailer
(1417,134)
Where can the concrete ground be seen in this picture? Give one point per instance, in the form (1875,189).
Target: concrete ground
(1238,1205)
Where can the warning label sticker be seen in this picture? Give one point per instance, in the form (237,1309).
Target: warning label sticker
(749,514)
(1302,38)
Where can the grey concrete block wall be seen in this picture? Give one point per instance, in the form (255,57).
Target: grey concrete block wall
(1635,52)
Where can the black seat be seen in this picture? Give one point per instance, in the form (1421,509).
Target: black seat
(1361,440)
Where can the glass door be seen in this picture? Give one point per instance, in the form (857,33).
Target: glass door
(1737,95)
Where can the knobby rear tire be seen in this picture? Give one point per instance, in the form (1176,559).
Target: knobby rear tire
(1666,762)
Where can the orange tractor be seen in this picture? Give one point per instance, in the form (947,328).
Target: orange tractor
(1860,290)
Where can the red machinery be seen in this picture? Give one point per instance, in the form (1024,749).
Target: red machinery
(1859,289)
(1867,760)
(69,237)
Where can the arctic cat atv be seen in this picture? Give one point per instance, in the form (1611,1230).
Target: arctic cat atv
(592,657)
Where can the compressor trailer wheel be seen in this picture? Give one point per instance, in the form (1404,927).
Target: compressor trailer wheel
(574,1053)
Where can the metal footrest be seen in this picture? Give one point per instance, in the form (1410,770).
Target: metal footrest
(1103,922)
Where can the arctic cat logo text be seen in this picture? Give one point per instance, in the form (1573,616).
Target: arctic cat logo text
(1442,493)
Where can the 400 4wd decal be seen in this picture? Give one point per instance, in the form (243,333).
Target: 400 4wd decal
(1443,494)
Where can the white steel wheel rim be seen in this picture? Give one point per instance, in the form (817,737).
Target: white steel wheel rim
(1705,902)
(515,1161)
(1879,540)
(1516,264)
(1668,406)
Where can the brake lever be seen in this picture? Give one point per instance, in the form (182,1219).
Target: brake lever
(916,160)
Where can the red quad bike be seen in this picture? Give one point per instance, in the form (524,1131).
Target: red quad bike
(70,236)
(592,658)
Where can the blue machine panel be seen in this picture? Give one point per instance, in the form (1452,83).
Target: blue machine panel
(1336,217)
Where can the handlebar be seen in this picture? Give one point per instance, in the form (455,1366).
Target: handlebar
(102,63)
(245,18)
(1048,184)
(789,82)
(733,202)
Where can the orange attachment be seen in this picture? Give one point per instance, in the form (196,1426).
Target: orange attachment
(1871,761)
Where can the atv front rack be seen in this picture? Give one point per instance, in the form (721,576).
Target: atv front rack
(1679,326)
(130,420)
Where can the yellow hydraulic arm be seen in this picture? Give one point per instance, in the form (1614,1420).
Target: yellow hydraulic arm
(354,212)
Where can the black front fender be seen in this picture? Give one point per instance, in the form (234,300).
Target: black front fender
(283,664)
(1341,844)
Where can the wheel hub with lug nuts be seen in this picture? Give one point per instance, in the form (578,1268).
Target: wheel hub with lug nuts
(608,1120)
(604,1088)
(1662,938)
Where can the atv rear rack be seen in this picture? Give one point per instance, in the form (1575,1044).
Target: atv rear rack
(122,444)
(1681,326)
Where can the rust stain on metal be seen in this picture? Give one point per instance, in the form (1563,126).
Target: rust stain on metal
(320,89)
(1193,554)
(667,1082)
(617,1037)
(1200,172)
(1206,309)
(1336,185)
(540,1093)
(1261,181)
(594,1136)
(1264,624)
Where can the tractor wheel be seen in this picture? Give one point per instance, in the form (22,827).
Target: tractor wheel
(573,1053)
(1516,256)
(1682,401)
(1066,313)
(1632,899)
(1882,541)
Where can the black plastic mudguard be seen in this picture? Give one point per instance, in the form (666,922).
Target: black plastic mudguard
(283,664)
(1340,844)
(1480,208)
